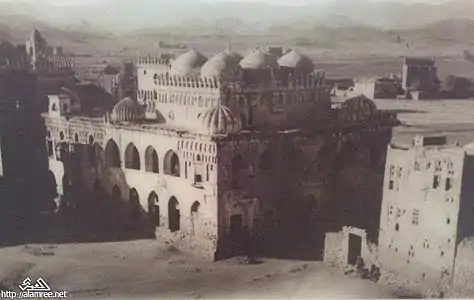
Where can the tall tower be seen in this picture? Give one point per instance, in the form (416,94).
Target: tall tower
(35,45)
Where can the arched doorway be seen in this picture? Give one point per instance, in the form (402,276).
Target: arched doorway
(112,155)
(171,164)
(116,194)
(194,215)
(132,157)
(154,209)
(174,215)
(238,229)
(151,160)
(134,206)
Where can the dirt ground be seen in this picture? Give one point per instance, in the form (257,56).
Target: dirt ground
(147,268)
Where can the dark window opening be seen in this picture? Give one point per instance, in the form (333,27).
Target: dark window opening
(197,178)
(397,227)
(171,166)
(436,181)
(390,185)
(416,214)
(50,149)
(448,184)
(442,253)
(448,221)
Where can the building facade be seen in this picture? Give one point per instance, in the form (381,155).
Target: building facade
(426,211)
(219,148)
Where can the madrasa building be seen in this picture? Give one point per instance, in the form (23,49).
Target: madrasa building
(216,148)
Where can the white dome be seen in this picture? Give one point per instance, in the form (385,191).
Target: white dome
(126,110)
(188,64)
(219,120)
(296,60)
(259,59)
(221,65)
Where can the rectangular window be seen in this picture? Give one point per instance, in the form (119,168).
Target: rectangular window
(448,184)
(390,185)
(436,181)
(416,214)
(417,166)
(50,149)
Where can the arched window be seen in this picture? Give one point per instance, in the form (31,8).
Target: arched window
(132,157)
(267,160)
(154,209)
(151,160)
(194,215)
(112,155)
(171,164)
(53,107)
(135,204)
(174,215)
(76,137)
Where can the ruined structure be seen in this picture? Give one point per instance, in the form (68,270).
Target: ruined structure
(426,226)
(218,149)
(43,57)
(420,78)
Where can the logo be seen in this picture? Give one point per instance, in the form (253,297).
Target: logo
(39,286)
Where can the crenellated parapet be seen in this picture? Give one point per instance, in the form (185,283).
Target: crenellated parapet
(304,81)
(153,60)
(186,82)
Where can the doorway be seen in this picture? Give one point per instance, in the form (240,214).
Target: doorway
(355,249)
(173,215)
(154,210)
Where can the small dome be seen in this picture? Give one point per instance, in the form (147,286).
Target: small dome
(221,64)
(126,110)
(359,103)
(259,59)
(219,120)
(296,60)
(188,64)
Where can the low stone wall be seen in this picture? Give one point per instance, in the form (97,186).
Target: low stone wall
(463,285)
(336,248)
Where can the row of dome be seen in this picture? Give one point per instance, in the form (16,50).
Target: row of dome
(220,119)
(216,120)
(193,62)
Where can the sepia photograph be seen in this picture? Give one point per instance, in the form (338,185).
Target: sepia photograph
(236,149)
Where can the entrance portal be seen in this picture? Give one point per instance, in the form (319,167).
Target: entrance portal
(173,215)
(355,249)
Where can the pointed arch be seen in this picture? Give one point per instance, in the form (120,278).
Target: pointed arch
(151,160)
(154,209)
(171,164)
(112,155)
(194,215)
(132,157)
(174,215)
(116,193)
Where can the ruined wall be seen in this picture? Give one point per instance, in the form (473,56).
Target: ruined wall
(337,247)
(464,269)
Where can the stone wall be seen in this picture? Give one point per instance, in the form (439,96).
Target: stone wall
(336,248)
(464,269)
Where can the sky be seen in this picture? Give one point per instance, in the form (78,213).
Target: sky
(290,2)
(135,14)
